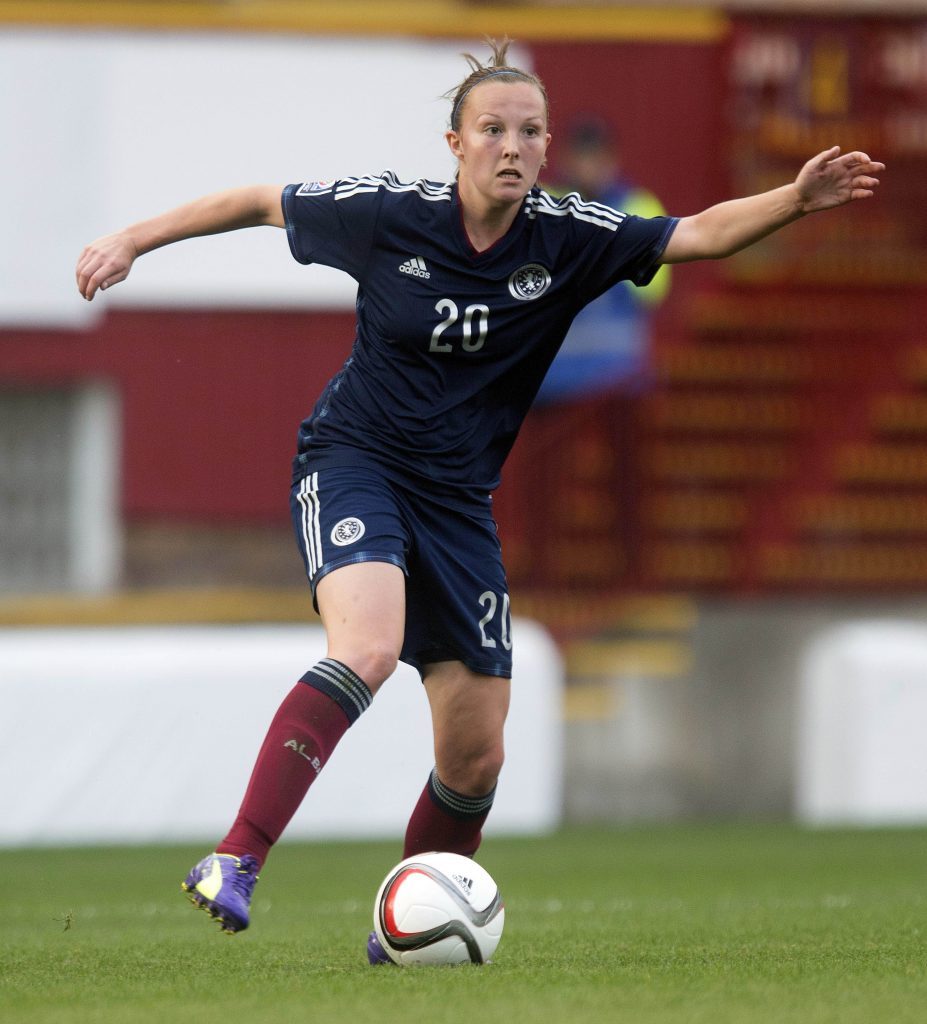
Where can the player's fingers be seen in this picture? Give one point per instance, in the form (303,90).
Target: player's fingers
(861,163)
(103,278)
(88,263)
(82,261)
(826,156)
(93,285)
(83,273)
(94,277)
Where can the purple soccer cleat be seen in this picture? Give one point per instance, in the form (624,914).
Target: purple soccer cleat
(222,884)
(376,954)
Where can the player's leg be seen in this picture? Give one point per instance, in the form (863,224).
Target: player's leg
(360,593)
(361,600)
(362,609)
(458,634)
(468,713)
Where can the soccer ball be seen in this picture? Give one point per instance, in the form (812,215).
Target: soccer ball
(438,908)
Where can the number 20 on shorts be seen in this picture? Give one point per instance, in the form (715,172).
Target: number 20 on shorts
(490,601)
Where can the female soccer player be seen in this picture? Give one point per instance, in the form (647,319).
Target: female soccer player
(465,292)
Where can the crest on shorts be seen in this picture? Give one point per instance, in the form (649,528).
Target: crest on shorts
(529,282)
(347,531)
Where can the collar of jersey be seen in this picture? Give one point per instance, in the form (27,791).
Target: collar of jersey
(499,246)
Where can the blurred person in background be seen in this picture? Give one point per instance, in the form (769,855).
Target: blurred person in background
(608,342)
(466,291)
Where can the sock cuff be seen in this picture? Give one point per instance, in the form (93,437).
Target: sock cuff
(457,804)
(345,687)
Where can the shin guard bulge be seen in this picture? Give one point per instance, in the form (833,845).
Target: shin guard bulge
(313,717)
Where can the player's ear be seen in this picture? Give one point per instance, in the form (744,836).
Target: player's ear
(453,143)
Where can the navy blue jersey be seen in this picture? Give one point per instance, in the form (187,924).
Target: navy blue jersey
(452,344)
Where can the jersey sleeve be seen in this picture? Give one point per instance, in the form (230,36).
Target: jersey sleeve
(630,252)
(333,222)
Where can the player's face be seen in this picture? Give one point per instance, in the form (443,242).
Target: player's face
(502,142)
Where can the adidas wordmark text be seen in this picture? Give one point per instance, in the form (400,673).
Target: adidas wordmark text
(416,267)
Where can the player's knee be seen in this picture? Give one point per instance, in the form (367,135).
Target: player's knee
(488,768)
(373,663)
(481,778)
(474,774)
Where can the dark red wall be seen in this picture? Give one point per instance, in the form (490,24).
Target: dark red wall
(662,100)
(211,400)
(664,103)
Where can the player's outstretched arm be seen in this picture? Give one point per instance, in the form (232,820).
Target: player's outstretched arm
(826,181)
(109,259)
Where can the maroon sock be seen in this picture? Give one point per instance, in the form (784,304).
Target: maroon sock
(313,717)
(446,820)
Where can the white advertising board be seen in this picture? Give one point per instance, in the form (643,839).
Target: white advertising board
(862,754)
(149,735)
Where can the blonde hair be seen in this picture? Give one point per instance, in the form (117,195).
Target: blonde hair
(496,68)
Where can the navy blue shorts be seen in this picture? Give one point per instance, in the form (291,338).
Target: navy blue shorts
(457,602)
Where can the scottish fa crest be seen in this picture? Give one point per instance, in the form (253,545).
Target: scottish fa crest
(347,531)
(529,282)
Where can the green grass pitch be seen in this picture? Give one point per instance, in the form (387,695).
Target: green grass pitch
(721,924)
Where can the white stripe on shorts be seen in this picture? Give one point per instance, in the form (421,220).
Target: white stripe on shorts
(304,505)
(312,537)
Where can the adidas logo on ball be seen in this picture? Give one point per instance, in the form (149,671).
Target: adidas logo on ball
(465,883)
(415,266)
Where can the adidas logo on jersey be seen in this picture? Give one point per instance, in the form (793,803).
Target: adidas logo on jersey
(416,267)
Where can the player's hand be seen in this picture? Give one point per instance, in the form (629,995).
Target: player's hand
(829,179)
(105,262)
